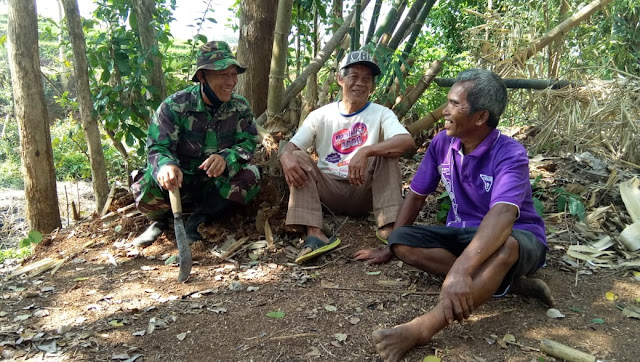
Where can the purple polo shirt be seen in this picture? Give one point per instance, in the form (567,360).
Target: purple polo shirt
(497,171)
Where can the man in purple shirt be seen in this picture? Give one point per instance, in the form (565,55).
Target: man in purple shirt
(494,239)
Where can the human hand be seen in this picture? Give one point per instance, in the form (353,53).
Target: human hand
(457,297)
(169,177)
(358,168)
(214,165)
(293,172)
(374,256)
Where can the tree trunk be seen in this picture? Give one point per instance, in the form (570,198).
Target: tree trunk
(257,24)
(396,87)
(374,20)
(89,124)
(42,211)
(555,49)
(391,21)
(147,30)
(410,19)
(313,67)
(386,21)
(62,54)
(311,90)
(559,31)
(279,58)
(403,107)
(417,27)
(426,121)
(355,30)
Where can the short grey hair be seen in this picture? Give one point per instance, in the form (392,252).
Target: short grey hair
(486,93)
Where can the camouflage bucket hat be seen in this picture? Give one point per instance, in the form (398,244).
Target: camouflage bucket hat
(216,55)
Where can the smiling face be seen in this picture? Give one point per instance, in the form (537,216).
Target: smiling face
(458,121)
(357,85)
(222,82)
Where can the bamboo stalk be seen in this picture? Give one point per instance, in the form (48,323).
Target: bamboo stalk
(566,353)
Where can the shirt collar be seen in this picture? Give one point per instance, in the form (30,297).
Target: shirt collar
(483,147)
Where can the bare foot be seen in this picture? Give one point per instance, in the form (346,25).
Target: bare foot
(533,287)
(385,231)
(393,343)
(311,231)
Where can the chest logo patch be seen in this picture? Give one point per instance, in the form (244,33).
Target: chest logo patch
(488,182)
(348,139)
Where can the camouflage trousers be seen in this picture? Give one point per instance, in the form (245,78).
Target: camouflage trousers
(209,195)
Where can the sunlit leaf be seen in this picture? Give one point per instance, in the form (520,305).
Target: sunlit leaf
(611,296)
(276,314)
(431,359)
(116,323)
(341,337)
(330,308)
(554,313)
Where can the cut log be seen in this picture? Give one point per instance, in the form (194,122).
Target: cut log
(559,350)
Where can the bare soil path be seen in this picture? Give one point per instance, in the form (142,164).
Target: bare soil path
(110,301)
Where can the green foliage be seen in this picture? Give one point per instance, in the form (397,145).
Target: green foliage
(34,237)
(537,193)
(571,202)
(14,253)
(445,206)
(10,174)
(119,70)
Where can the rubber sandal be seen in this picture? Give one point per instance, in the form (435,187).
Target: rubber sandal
(385,241)
(317,247)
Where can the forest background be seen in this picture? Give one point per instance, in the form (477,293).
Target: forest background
(131,67)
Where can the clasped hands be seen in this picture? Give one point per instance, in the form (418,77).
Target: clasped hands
(296,177)
(170,176)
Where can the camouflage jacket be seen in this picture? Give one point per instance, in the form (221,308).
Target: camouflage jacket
(185,131)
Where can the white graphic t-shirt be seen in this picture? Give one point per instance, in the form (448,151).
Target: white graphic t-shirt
(337,136)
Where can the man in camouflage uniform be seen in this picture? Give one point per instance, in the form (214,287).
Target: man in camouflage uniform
(201,140)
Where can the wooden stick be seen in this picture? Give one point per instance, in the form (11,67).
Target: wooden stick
(381,290)
(268,233)
(66,195)
(566,353)
(107,204)
(234,247)
(292,336)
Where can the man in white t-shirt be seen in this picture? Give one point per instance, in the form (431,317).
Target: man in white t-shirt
(358,144)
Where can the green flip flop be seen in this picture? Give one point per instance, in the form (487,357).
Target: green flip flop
(385,241)
(317,246)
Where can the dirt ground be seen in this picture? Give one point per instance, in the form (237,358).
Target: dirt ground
(111,301)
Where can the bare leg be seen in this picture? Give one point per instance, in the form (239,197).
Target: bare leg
(433,261)
(393,343)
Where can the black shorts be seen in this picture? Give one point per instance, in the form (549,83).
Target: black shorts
(455,240)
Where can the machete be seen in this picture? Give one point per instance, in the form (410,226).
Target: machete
(184,250)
